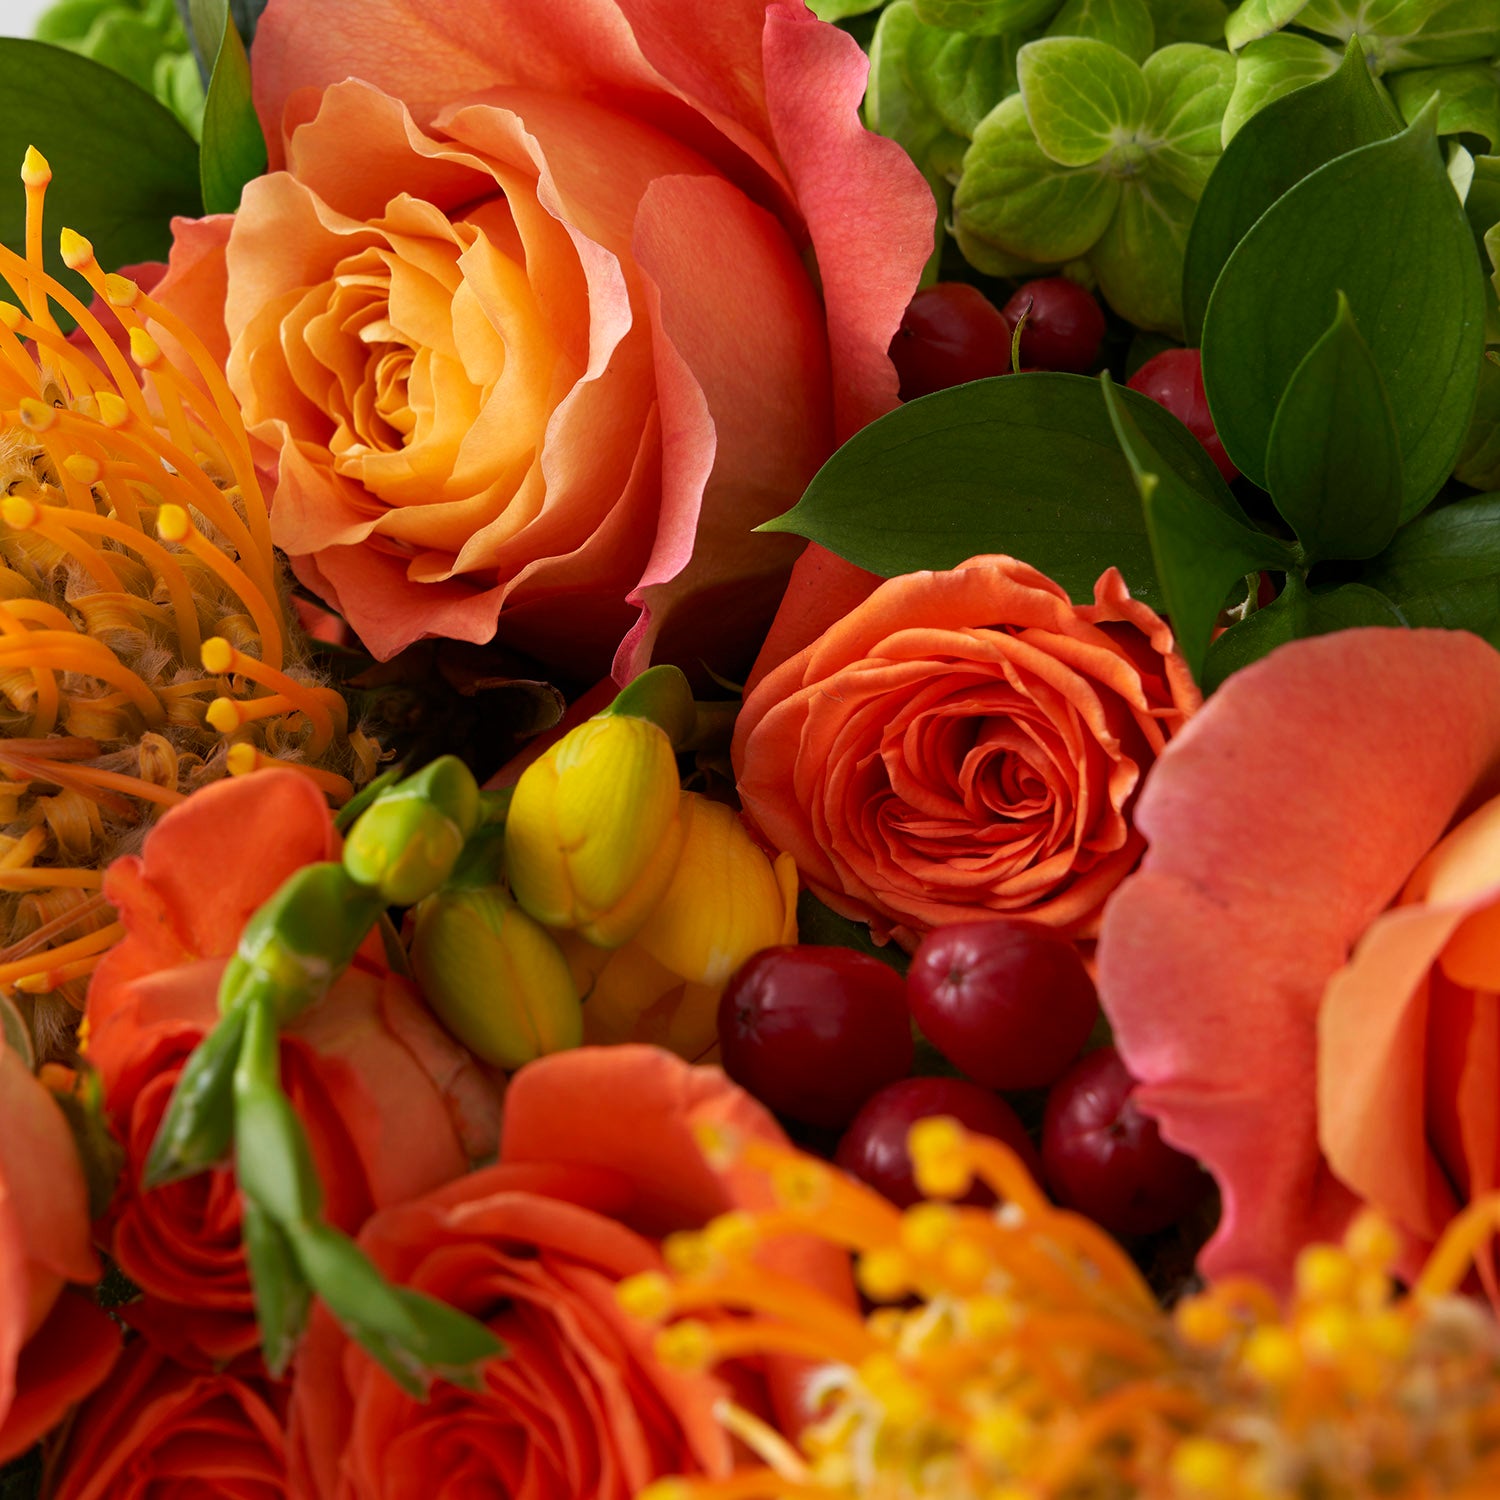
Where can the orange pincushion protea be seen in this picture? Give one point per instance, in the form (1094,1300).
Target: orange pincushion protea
(144,644)
(1020,1355)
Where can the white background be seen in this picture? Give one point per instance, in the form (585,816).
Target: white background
(17,17)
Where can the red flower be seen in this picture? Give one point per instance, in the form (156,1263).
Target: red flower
(392,1106)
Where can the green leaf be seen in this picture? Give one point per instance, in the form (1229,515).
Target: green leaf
(1295,613)
(1272,68)
(1189,21)
(1383,224)
(1257,18)
(1190,85)
(1023,464)
(282,1294)
(1468,98)
(1410,33)
(960,78)
(1124,24)
(1334,462)
(198,1127)
(1479,463)
(1289,139)
(1444,568)
(234,150)
(838,10)
(825,928)
(1013,198)
(122,164)
(1200,550)
(1138,258)
(984,17)
(1082,97)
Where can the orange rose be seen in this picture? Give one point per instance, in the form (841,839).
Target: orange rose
(392,1106)
(547,347)
(1313,1044)
(160,1429)
(535,1245)
(55,1345)
(959,744)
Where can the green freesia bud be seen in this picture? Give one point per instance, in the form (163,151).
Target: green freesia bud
(407,841)
(282,1293)
(198,1127)
(494,976)
(272,1158)
(300,941)
(593,832)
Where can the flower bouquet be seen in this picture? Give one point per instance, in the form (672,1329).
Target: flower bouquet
(750,750)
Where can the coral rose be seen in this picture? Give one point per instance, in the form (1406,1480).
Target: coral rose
(1313,1049)
(55,1345)
(958,744)
(553,305)
(535,1245)
(392,1106)
(160,1429)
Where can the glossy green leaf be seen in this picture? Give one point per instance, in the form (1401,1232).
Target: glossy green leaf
(122,163)
(1189,21)
(1125,24)
(1082,97)
(1383,224)
(1444,568)
(234,150)
(1014,198)
(1258,18)
(1024,464)
(1200,550)
(1295,613)
(1272,68)
(1286,141)
(985,17)
(1333,464)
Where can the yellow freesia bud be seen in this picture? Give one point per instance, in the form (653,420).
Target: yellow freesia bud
(495,978)
(593,832)
(725,901)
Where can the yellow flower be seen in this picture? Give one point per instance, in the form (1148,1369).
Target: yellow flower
(593,832)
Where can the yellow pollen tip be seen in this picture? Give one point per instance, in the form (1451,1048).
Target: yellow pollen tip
(10,316)
(1271,1356)
(732,1235)
(223,714)
(647,1297)
(242,759)
(940,1162)
(1203,1322)
(1372,1242)
(83,468)
(173,523)
(120,291)
(144,349)
(77,252)
(989,1316)
(666,1489)
(687,1345)
(883,1274)
(1328,1333)
(720,1146)
(1324,1273)
(113,411)
(686,1254)
(1204,1466)
(217,655)
(37,415)
(35,172)
(925,1227)
(800,1186)
(20,513)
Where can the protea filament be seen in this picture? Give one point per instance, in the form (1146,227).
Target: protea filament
(145,646)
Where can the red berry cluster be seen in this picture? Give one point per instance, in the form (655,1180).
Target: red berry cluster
(824,1036)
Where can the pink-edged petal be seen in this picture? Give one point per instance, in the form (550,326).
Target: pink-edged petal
(870,214)
(1280,822)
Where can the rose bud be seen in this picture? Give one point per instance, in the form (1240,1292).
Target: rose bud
(406,842)
(494,977)
(725,900)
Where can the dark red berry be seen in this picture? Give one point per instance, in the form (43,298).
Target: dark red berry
(874,1146)
(1064,325)
(813,1032)
(951,333)
(1174,379)
(1008,1005)
(1106,1159)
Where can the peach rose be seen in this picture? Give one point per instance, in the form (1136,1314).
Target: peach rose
(393,1107)
(958,744)
(535,1245)
(550,307)
(55,1345)
(1315,1046)
(160,1429)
